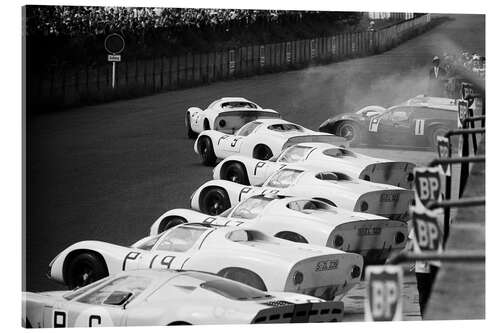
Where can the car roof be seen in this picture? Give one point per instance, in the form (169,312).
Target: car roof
(273,121)
(442,103)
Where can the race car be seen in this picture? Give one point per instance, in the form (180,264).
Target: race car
(167,297)
(260,139)
(335,188)
(304,220)
(249,171)
(237,253)
(416,122)
(226,115)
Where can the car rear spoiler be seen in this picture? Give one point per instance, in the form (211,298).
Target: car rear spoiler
(333,139)
(232,120)
(286,312)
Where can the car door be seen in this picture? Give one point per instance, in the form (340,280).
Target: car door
(394,126)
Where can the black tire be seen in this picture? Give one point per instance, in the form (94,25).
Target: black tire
(206,125)
(83,269)
(214,201)
(206,150)
(350,131)
(438,131)
(235,172)
(291,236)
(244,276)
(262,152)
(169,222)
(190,133)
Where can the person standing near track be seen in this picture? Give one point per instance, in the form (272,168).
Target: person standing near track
(437,79)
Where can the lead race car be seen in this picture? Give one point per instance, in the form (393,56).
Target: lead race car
(226,115)
(167,297)
(260,139)
(417,122)
(335,188)
(237,253)
(305,220)
(250,171)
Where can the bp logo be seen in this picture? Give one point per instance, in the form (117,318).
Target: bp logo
(427,184)
(444,151)
(463,109)
(428,234)
(383,301)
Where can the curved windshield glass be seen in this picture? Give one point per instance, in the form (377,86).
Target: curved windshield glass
(111,292)
(284,178)
(149,243)
(248,128)
(181,238)
(332,176)
(308,206)
(251,207)
(286,127)
(295,154)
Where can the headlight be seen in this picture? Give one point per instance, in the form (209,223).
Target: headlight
(364,206)
(400,237)
(298,277)
(222,123)
(338,241)
(356,271)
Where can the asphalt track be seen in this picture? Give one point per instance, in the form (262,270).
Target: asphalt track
(106,172)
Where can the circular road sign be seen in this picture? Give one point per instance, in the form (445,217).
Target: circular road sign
(114,43)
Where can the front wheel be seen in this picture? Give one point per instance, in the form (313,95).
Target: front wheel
(214,201)
(236,173)
(170,222)
(84,269)
(206,150)
(262,152)
(349,131)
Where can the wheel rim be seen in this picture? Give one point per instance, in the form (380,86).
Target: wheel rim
(204,150)
(215,204)
(234,176)
(347,131)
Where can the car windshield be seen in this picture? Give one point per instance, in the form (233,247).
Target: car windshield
(149,243)
(251,207)
(284,178)
(80,291)
(248,128)
(110,292)
(308,206)
(181,238)
(295,154)
(238,105)
(338,152)
(286,127)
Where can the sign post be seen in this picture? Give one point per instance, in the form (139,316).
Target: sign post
(114,45)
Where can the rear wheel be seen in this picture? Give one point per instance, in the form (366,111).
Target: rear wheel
(214,201)
(244,276)
(190,133)
(169,222)
(350,131)
(262,152)
(85,268)
(235,172)
(206,150)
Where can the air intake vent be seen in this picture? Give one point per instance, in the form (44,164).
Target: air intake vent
(277,303)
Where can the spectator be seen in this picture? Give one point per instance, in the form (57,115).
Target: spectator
(437,79)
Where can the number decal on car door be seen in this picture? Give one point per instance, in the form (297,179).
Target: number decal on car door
(373,125)
(419,126)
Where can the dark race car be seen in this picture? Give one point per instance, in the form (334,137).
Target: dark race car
(416,122)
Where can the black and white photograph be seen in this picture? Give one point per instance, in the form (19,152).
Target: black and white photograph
(240,164)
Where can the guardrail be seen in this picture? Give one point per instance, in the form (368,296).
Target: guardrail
(449,256)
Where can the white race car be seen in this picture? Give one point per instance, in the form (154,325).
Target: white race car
(245,255)
(261,139)
(167,297)
(305,220)
(334,188)
(226,115)
(250,171)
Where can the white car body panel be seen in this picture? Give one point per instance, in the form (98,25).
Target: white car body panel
(170,297)
(336,158)
(273,259)
(197,117)
(225,145)
(372,236)
(384,200)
